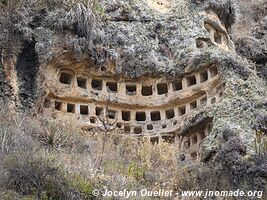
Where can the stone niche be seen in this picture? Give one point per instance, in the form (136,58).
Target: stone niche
(151,107)
(190,143)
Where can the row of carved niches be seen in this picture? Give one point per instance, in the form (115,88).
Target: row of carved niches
(150,91)
(133,120)
(190,144)
(216,36)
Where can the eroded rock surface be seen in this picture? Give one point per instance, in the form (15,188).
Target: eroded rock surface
(167,70)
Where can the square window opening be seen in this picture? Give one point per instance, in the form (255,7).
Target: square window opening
(213,100)
(154,140)
(218,38)
(203,76)
(127,129)
(191,81)
(99,111)
(193,105)
(147,90)
(149,127)
(155,116)
(126,115)
(131,90)
(168,139)
(93,120)
(138,130)
(81,82)
(47,103)
(194,139)
(66,78)
(203,101)
(58,105)
(97,84)
(140,116)
(70,108)
(84,110)
(181,110)
(112,114)
(177,85)
(112,87)
(169,114)
(162,88)
(213,71)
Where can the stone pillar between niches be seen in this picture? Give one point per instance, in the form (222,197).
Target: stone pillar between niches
(138,89)
(104,87)
(64,107)
(133,113)
(121,89)
(209,74)
(184,83)
(77,109)
(88,84)
(148,117)
(197,78)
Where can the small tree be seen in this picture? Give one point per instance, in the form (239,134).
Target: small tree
(106,128)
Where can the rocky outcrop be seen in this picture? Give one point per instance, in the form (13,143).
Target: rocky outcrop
(164,69)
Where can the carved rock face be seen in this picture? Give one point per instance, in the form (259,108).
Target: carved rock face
(161,69)
(157,75)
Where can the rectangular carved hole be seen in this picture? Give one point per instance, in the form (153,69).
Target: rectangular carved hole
(193,105)
(181,110)
(191,81)
(164,126)
(127,129)
(99,111)
(138,130)
(97,84)
(193,139)
(83,110)
(169,114)
(119,125)
(66,78)
(93,120)
(186,144)
(168,138)
(149,127)
(218,37)
(131,89)
(147,90)
(162,88)
(213,100)
(140,116)
(47,103)
(112,87)
(112,114)
(177,85)
(81,82)
(58,105)
(155,116)
(203,76)
(213,71)
(126,115)
(154,140)
(70,108)
(203,101)
(193,155)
